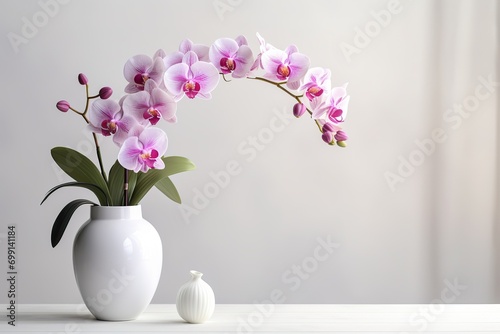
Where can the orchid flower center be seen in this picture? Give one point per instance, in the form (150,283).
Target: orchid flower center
(149,157)
(283,71)
(108,127)
(141,79)
(313,92)
(227,65)
(153,115)
(335,115)
(191,88)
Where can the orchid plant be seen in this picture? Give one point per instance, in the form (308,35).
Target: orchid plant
(155,85)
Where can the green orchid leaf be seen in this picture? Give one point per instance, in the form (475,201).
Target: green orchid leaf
(145,181)
(90,186)
(167,187)
(81,169)
(63,219)
(116,180)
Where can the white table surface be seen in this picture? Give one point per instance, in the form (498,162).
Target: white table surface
(318,318)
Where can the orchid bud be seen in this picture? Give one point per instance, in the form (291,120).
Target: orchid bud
(105,92)
(341,143)
(328,138)
(327,127)
(82,79)
(63,105)
(299,109)
(341,136)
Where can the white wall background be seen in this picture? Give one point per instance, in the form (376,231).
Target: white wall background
(403,244)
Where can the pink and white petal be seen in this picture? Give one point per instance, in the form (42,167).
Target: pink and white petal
(201,51)
(204,96)
(175,77)
(244,58)
(206,75)
(241,40)
(173,119)
(186,46)
(136,65)
(294,85)
(136,104)
(132,88)
(271,59)
(299,64)
(160,53)
(101,110)
(137,129)
(291,49)
(150,85)
(319,107)
(164,103)
(337,94)
(190,58)
(154,138)
(159,164)
(344,105)
(157,70)
(172,59)
(128,156)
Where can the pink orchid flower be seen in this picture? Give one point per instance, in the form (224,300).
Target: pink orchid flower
(141,68)
(186,46)
(106,117)
(143,152)
(316,82)
(263,48)
(191,78)
(333,107)
(232,56)
(288,65)
(151,105)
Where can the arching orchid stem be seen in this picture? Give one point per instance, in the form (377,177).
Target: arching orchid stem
(76,111)
(87,103)
(280,86)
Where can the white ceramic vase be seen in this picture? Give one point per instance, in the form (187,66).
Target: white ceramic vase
(195,300)
(117,259)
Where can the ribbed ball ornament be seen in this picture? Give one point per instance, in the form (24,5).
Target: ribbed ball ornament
(195,300)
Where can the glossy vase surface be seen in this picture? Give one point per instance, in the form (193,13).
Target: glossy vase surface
(117,260)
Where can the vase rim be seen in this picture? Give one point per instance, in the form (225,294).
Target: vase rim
(115,212)
(196,273)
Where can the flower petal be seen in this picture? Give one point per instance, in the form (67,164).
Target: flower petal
(175,77)
(154,138)
(102,110)
(135,105)
(136,65)
(206,75)
(128,156)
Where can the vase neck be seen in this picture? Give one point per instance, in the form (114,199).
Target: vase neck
(116,212)
(196,274)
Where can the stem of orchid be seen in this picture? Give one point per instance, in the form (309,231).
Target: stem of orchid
(99,157)
(96,142)
(280,86)
(125,187)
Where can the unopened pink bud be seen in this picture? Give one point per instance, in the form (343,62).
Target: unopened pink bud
(63,105)
(327,137)
(341,136)
(105,92)
(82,79)
(327,127)
(299,109)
